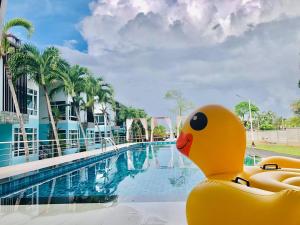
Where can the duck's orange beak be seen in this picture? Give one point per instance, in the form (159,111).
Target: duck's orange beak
(184,143)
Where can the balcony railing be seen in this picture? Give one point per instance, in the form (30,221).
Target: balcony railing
(11,118)
(14,152)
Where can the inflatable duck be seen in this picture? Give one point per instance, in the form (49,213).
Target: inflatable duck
(279,173)
(214,139)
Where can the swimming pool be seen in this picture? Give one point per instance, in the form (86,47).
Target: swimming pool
(140,174)
(143,173)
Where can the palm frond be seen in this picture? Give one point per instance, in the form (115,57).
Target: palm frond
(19,22)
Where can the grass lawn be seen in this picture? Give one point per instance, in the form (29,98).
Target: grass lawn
(291,150)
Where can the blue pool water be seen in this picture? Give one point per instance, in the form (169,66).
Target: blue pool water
(140,174)
(152,173)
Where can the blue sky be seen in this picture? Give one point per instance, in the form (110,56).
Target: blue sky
(210,50)
(55,21)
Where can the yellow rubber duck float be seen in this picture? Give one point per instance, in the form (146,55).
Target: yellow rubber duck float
(279,173)
(214,139)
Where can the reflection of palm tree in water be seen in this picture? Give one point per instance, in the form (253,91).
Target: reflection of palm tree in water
(139,158)
(117,170)
(146,164)
(177,181)
(99,184)
(153,157)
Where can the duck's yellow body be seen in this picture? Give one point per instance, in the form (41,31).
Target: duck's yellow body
(216,202)
(214,138)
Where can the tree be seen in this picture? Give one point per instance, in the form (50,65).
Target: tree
(129,113)
(72,83)
(160,131)
(279,122)
(98,91)
(295,106)
(105,96)
(42,68)
(293,122)
(266,120)
(181,104)
(5,49)
(242,109)
(125,112)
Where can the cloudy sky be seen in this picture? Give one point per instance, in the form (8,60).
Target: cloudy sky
(210,50)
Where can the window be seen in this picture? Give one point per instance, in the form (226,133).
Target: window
(59,109)
(108,133)
(72,113)
(32,102)
(90,134)
(73,138)
(62,135)
(97,137)
(99,119)
(18,149)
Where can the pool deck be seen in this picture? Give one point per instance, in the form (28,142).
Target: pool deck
(14,170)
(148,213)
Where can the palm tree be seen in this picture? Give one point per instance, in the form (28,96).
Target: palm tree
(99,91)
(5,49)
(106,97)
(72,83)
(42,68)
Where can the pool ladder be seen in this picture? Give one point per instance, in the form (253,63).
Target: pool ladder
(112,142)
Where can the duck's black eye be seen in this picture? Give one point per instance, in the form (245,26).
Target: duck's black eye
(199,121)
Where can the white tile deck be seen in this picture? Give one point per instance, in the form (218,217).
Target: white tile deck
(36,165)
(161,213)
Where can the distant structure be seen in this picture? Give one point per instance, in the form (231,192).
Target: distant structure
(129,124)
(154,122)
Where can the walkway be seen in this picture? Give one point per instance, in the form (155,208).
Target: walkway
(264,153)
(143,213)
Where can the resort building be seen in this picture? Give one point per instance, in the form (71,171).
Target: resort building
(65,118)
(97,122)
(27,93)
(104,117)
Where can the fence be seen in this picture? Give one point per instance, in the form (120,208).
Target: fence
(14,152)
(289,136)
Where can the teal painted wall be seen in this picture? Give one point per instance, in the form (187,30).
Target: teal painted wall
(5,149)
(32,123)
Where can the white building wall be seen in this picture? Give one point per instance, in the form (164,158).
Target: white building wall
(43,113)
(59,96)
(98,109)
(83,113)
(32,85)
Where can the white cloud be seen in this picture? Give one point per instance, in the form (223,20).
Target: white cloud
(126,25)
(209,49)
(70,43)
